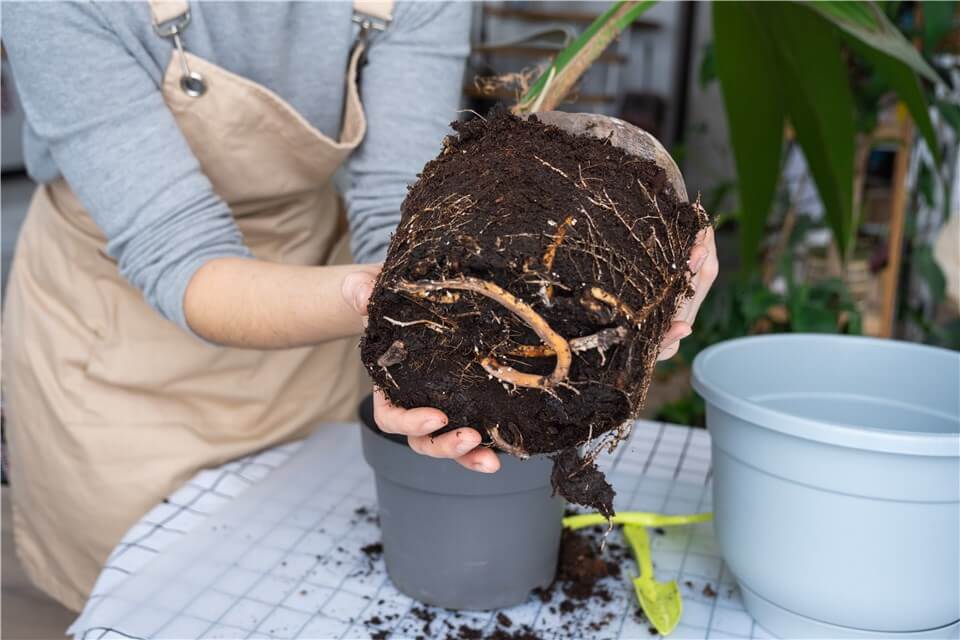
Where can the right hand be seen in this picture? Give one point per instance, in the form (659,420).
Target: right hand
(462,445)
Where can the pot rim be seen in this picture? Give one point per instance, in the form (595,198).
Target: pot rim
(834,433)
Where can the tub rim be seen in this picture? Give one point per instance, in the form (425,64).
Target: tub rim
(834,433)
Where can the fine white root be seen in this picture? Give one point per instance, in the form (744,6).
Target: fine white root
(503,445)
(551,167)
(523,311)
(430,324)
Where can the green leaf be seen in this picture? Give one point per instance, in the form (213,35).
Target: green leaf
(950,112)
(757,302)
(854,323)
(750,80)
(810,319)
(937,22)
(868,24)
(930,272)
(905,83)
(816,90)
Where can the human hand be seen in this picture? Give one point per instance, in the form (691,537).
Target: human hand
(462,445)
(705,267)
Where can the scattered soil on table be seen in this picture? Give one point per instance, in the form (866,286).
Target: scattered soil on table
(527,289)
(589,572)
(581,568)
(373,551)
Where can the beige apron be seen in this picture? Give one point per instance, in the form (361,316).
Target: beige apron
(110,407)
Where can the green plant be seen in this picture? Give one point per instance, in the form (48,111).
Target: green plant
(787,62)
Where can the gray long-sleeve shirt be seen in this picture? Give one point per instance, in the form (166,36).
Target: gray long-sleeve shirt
(89,77)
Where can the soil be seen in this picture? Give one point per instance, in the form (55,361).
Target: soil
(527,289)
(373,550)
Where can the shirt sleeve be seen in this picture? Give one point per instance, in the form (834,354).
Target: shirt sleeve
(101,113)
(411,91)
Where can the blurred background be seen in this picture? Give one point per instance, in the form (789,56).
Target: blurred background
(882,263)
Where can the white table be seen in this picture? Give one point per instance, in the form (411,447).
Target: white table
(269,546)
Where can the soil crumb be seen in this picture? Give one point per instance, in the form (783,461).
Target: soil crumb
(373,550)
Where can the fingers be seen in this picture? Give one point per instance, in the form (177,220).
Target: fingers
(357,286)
(409,422)
(671,339)
(705,267)
(481,459)
(462,445)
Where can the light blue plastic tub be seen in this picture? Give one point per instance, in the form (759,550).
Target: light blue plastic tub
(836,480)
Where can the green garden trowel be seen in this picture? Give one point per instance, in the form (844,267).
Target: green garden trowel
(660,601)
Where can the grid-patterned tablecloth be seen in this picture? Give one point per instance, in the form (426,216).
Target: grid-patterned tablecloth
(269,546)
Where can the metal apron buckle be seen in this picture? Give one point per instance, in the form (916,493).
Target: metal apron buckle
(191,82)
(368,23)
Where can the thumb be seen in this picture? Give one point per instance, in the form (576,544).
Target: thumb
(356,289)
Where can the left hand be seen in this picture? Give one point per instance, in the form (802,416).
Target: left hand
(418,424)
(705,267)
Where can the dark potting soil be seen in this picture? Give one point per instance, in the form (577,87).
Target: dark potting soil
(373,550)
(527,289)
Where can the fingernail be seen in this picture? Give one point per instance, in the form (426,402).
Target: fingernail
(434,424)
(479,466)
(362,296)
(686,332)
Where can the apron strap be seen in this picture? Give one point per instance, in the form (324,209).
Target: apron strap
(166,11)
(380,10)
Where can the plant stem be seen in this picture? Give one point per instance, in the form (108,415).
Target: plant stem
(565,71)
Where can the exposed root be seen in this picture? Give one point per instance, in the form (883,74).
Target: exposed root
(512,449)
(430,324)
(518,82)
(523,311)
(616,304)
(601,341)
(551,253)
(551,167)
(637,317)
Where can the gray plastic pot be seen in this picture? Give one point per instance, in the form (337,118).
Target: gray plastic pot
(836,479)
(460,539)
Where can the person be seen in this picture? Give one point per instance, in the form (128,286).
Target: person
(187,286)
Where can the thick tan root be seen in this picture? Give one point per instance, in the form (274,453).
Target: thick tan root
(616,304)
(551,253)
(506,447)
(523,311)
(602,340)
